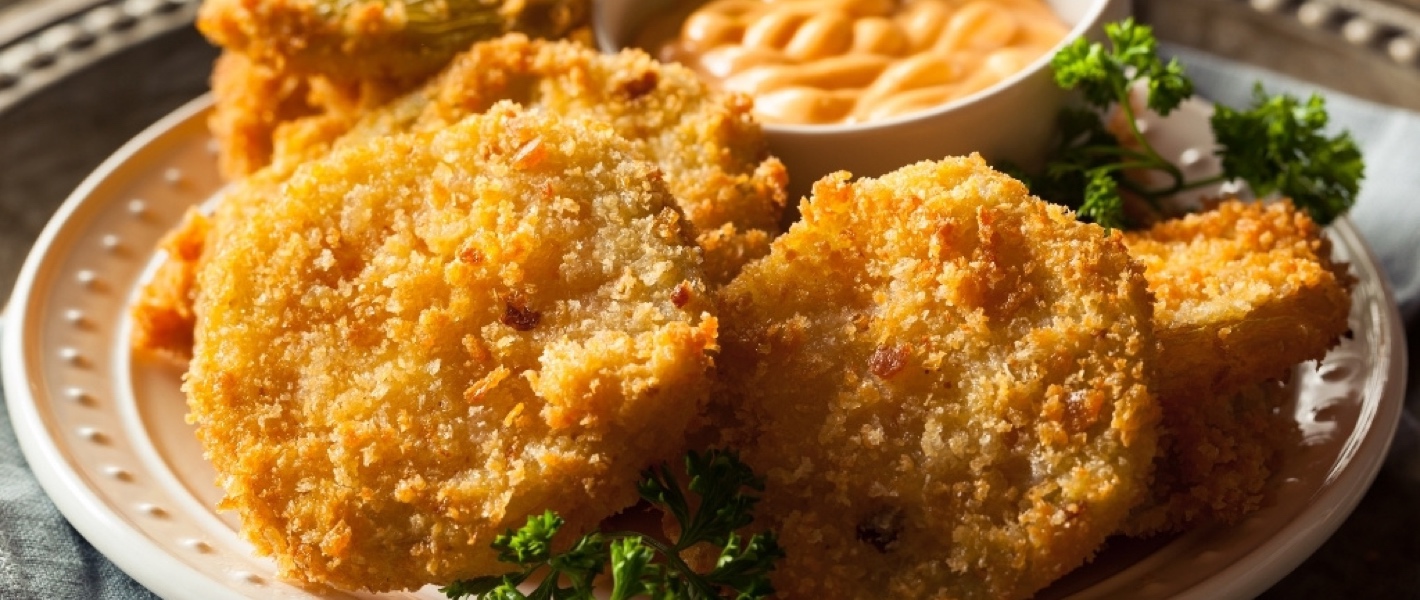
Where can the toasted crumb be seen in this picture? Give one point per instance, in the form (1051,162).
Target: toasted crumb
(162,316)
(425,338)
(379,39)
(1217,455)
(945,382)
(1242,294)
(262,110)
(711,153)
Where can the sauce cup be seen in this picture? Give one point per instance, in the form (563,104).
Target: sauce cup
(1009,122)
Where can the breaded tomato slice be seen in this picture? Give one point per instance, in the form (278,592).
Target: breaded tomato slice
(258,107)
(1217,455)
(1242,293)
(711,152)
(377,38)
(425,338)
(945,382)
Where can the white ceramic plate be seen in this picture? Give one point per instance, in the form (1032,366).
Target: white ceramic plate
(105,434)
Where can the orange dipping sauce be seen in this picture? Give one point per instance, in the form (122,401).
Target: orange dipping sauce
(854,61)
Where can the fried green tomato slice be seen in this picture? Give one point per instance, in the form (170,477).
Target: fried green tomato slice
(425,338)
(377,38)
(946,384)
(1217,456)
(713,153)
(1242,293)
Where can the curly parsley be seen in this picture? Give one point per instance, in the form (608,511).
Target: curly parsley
(641,565)
(1277,146)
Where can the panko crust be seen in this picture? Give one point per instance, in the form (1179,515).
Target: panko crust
(259,106)
(945,383)
(376,39)
(710,150)
(1216,458)
(713,153)
(1243,292)
(428,337)
(163,317)
(250,102)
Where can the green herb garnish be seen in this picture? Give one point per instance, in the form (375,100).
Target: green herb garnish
(641,565)
(1276,146)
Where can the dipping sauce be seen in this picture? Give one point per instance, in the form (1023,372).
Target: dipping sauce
(852,61)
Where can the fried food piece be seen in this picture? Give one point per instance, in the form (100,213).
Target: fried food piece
(430,336)
(713,152)
(714,155)
(376,39)
(250,102)
(255,106)
(1243,293)
(163,318)
(945,383)
(258,105)
(1216,457)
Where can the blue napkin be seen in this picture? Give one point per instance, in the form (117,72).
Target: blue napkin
(41,556)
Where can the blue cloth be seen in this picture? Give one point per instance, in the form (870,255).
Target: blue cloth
(41,556)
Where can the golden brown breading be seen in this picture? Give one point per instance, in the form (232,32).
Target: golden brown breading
(379,39)
(710,149)
(250,101)
(258,106)
(945,383)
(1216,457)
(162,315)
(709,145)
(712,152)
(428,337)
(1243,293)
(259,112)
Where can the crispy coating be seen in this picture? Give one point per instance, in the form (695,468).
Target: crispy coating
(1243,292)
(250,102)
(378,39)
(428,337)
(713,153)
(945,382)
(258,106)
(1217,454)
(163,317)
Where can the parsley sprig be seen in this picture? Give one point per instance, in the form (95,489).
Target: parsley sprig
(642,565)
(1277,146)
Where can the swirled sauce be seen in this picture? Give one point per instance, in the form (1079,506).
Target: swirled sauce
(851,61)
